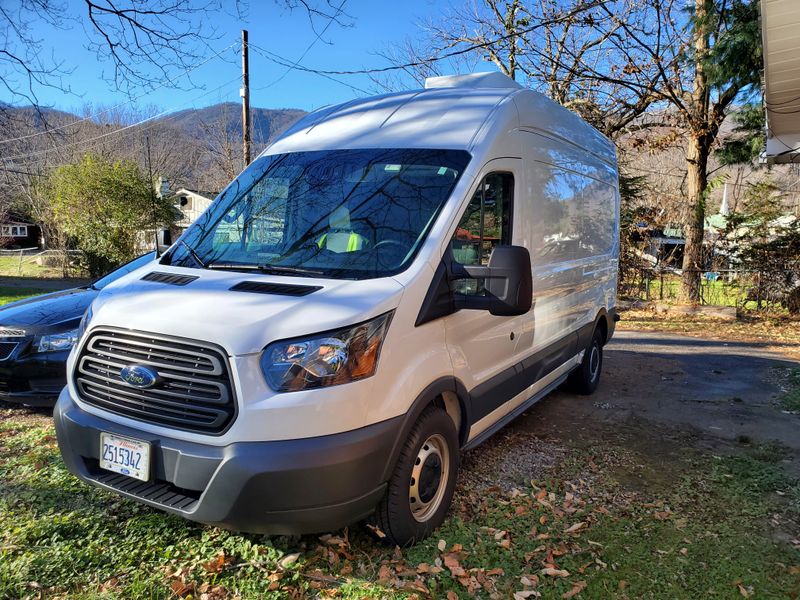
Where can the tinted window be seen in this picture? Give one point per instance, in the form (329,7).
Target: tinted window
(341,213)
(485,224)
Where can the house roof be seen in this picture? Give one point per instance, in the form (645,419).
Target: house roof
(203,193)
(780,29)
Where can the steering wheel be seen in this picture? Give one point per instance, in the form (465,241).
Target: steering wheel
(400,245)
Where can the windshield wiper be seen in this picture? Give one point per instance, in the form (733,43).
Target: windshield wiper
(199,260)
(284,270)
(272,269)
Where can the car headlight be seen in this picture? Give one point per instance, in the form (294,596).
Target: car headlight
(57,341)
(325,359)
(84,324)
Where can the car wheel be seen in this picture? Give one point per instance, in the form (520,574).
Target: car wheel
(424,479)
(586,377)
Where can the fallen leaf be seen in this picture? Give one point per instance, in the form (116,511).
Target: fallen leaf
(451,595)
(385,574)
(376,530)
(743,590)
(576,527)
(181,589)
(576,589)
(495,572)
(526,594)
(451,562)
(442,545)
(288,560)
(553,572)
(662,515)
(216,564)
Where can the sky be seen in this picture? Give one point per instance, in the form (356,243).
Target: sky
(376,24)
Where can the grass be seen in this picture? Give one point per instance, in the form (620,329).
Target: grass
(790,400)
(577,530)
(12,294)
(11,266)
(779,332)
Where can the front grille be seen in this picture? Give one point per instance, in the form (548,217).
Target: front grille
(193,390)
(6,349)
(11,332)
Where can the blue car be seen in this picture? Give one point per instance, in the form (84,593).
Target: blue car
(37,334)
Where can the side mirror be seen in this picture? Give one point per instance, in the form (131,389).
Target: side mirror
(508,282)
(164,241)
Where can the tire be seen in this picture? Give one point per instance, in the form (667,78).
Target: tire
(423,482)
(586,377)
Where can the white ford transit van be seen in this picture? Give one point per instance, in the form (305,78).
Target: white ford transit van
(389,283)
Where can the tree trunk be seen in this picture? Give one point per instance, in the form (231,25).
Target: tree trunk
(697,180)
(696,161)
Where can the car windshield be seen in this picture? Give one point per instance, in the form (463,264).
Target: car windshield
(338,213)
(123,270)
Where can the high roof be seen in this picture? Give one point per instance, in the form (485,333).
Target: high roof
(453,112)
(435,118)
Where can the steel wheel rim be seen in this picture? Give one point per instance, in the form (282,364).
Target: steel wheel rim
(429,477)
(594,362)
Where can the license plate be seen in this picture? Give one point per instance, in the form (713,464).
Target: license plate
(125,456)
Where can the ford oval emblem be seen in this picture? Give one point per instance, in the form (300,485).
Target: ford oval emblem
(139,376)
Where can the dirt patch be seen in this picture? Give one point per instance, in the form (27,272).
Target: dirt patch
(509,460)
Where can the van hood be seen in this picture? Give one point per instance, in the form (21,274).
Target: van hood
(242,322)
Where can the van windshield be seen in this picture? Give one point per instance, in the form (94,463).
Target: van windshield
(353,214)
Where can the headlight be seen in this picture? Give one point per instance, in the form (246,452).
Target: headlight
(330,358)
(57,341)
(87,317)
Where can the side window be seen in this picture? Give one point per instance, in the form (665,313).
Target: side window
(485,224)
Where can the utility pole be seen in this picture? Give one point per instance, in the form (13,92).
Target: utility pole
(152,193)
(245,93)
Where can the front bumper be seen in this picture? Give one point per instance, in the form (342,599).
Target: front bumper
(281,487)
(33,379)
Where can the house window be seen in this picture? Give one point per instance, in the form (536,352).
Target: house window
(14,230)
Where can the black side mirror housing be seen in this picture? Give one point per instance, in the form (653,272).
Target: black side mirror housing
(164,241)
(508,282)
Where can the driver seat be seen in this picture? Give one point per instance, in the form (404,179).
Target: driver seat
(340,236)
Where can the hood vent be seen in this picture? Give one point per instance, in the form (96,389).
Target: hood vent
(169,278)
(280,289)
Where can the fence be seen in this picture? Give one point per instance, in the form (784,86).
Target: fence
(747,290)
(33,262)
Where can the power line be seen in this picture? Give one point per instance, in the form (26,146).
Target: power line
(317,38)
(285,62)
(121,104)
(168,114)
(440,57)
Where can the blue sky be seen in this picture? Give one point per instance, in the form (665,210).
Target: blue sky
(375,25)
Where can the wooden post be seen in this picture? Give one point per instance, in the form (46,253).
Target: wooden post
(245,93)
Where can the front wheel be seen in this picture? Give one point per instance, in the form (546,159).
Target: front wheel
(424,479)
(586,377)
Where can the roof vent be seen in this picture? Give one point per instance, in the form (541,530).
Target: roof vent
(169,278)
(472,81)
(280,289)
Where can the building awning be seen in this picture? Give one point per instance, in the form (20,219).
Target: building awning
(780,28)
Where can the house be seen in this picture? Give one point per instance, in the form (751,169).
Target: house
(19,234)
(191,204)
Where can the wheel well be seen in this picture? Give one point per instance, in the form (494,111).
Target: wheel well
(602,325)
(452,405)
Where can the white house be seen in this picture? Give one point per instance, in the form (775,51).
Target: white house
(191,204)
